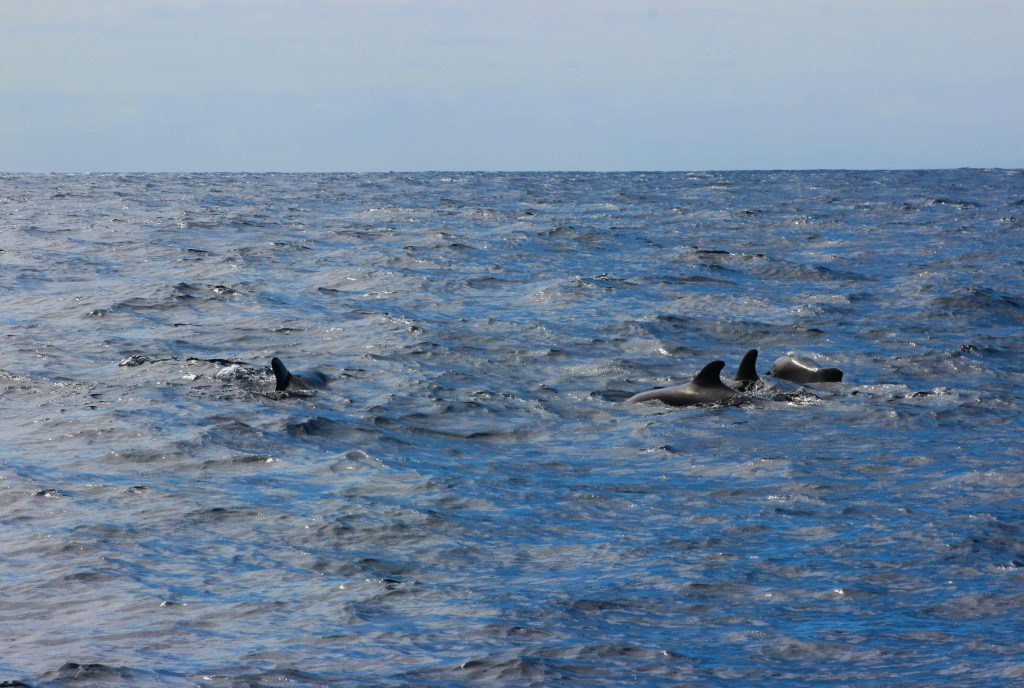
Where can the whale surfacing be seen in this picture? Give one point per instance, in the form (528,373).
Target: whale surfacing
(287,379)
(706,388)
(802,370)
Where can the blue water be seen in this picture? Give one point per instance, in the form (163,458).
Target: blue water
(471,501)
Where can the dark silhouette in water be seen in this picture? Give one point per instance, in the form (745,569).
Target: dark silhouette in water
(746,374)
(298,380)
(706,388)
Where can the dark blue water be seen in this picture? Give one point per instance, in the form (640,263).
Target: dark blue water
(470,501)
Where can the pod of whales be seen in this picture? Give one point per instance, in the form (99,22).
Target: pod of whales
(803,371)
(287,379)
(706,388)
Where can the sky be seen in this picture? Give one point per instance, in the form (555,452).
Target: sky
(407,85)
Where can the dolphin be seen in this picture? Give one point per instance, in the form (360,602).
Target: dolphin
(286,379)
(706,388)
(801,370)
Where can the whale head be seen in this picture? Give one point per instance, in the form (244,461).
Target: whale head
(830,375)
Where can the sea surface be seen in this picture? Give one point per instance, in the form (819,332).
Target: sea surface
(471,501)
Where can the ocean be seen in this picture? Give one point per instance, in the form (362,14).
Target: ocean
(471,501)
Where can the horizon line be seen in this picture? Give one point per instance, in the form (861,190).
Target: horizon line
(996,168)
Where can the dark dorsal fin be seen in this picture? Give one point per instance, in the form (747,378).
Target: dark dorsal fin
(748,367)
(709,375)
(281,373)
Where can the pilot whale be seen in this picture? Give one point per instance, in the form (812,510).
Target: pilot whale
(286,379)
(802,370)
(705,388)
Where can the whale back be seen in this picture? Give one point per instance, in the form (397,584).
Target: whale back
(297,380)
(705,389)
(802,370)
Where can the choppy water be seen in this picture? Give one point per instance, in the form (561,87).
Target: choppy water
(470,501)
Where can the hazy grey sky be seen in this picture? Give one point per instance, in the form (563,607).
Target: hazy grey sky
(361,85)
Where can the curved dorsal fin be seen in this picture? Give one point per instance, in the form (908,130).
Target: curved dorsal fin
(709,375)
(281,373)
(748,367)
